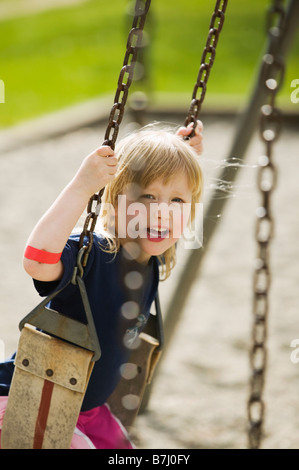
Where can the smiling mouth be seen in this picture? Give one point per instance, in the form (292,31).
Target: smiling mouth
(157,234)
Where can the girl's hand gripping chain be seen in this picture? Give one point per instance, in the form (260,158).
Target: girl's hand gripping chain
(54,228)
(196,140)
(96,171)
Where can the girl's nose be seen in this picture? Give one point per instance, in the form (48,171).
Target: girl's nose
(161,211)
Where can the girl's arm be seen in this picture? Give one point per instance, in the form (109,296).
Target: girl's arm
(54,228)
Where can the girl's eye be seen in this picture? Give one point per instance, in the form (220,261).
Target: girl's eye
(147,196)
(177,199)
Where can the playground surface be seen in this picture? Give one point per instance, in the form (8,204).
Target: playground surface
(199,397)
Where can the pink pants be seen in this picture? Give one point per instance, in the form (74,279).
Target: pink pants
(96,429)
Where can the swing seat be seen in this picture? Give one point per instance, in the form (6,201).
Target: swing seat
(46,394)
(54,360)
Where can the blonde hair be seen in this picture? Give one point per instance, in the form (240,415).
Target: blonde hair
(144,156)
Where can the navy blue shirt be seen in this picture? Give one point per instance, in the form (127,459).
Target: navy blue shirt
(107,293)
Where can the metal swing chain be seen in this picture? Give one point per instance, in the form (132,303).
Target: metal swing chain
(270,125)
(125,79)
(207,61)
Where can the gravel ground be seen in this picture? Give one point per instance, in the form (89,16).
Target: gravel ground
(199,396)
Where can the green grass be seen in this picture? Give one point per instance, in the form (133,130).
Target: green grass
(60,57)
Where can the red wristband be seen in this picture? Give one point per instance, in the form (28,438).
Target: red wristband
(41,256)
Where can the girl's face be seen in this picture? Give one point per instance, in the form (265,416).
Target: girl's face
(154,216)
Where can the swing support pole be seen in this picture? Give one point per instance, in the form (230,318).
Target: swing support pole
(247,126)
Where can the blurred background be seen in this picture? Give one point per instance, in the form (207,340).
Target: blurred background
(59,65)
(57,53)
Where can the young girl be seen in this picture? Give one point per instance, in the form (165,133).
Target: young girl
(155,174)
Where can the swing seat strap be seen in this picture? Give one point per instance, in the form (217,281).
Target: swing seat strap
(46,393)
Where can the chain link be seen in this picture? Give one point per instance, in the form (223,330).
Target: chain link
(206,62)
(134,42)
(270,125)
(125,79)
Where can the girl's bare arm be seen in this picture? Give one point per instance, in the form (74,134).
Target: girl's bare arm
(54,228)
